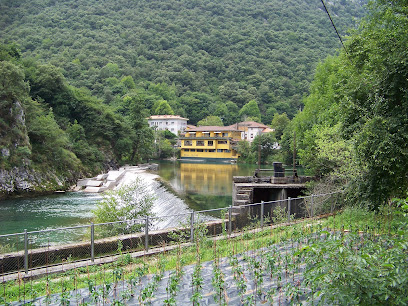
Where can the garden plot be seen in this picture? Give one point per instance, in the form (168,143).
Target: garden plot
(269,275)
(328,262)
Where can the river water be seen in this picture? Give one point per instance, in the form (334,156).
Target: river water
(201,186)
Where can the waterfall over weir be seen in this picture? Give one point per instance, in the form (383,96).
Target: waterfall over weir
(168,209)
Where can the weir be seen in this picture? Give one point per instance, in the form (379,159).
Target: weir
(165,204)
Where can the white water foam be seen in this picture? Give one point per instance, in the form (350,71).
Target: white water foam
(169,210)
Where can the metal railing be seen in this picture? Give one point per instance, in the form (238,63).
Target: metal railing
(35,249)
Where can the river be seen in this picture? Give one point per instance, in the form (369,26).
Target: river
(201,186)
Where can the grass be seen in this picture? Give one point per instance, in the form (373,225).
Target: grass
(351,222)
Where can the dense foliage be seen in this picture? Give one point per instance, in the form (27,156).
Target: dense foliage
(46,124)
(202,57)
(354,126)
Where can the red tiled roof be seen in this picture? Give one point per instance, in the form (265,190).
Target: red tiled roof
(267,130)
(252,124)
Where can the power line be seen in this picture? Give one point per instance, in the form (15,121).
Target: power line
(331,20)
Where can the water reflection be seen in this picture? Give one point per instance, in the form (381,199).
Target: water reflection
(203,186)
(207,178)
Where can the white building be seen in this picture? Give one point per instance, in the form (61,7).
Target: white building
(251,129)
(174,124)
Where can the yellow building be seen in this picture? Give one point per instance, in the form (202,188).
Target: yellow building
(218,143)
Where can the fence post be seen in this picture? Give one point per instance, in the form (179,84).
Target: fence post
(289,204)
(192,227)
(312,212)
(262,214)
(229,220)
(25,251)
(147,233)
(92,242)
(332,204)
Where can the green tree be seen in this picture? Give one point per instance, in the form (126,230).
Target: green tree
(332,155)
(376,111)
(279,123)
(267,141)
(9,52)
(12,84)
(89,154)
(13,132)
(359,98)
(250,110)
(245,152)
(142,135)
(127,204)
(162,107)
(50,144)
(210,120)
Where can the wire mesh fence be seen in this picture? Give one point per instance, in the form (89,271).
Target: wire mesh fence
(31,250)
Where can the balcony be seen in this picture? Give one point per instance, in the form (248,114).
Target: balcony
(205,137)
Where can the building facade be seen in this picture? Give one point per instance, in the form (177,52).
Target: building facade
(251,129)
(210,143)
(174,124)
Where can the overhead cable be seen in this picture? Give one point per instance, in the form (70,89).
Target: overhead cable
(331,20)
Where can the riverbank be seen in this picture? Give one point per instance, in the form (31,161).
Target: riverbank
(24,182)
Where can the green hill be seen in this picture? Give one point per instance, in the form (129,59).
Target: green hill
(78,78)
(209,52)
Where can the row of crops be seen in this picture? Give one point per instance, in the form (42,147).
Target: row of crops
(354,257)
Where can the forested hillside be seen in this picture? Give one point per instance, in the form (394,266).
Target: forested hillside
(209,53)
(51,133)
(353,131)
(79,77)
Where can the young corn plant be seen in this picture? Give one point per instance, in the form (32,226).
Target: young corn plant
(197,284)
(239,277)
(257,270)
(148,292)
(173,288)
(197,279)
(218,284)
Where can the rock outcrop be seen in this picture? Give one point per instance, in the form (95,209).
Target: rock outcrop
(26,181)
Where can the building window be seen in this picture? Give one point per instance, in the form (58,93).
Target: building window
(200,150)
(220,150)
(186,150)
(210,142)
(200,142)
(188,143)
(211,150)
(224,134)
(167,123)
(222,142)
(192,150)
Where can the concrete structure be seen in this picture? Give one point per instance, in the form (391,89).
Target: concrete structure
(210,143)
(174,124)
(256,189)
